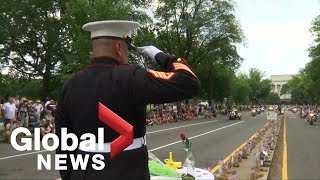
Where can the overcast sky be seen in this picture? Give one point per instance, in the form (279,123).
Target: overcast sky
(277,33)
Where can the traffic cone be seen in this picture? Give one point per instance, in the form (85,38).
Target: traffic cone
(229,164)
(233,176)
(244,153)
(239,156)
(258,174)
(236,159)
(223,172)
(252,144)
(252,174)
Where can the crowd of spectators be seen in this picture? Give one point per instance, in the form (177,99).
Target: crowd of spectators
(22,112)
(173,112)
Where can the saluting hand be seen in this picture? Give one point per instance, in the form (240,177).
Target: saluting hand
(149,51)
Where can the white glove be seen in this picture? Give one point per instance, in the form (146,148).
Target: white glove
(149,51)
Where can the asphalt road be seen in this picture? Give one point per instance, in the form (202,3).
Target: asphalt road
(303,148)
(212,139)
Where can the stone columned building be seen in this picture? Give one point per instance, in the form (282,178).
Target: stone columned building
(278,81)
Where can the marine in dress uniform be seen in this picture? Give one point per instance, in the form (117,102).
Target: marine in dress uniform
(126,90)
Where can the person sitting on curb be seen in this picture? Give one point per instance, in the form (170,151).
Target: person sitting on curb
(50,119)
(10,127)
(45,128)
(150,120)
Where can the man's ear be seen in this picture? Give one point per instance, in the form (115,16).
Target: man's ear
(117,48)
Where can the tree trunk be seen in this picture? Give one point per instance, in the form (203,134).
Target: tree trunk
(45,87)
(187,101)
(210,96)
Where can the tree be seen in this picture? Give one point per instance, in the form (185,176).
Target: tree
(272,98)
(298,87)
(312,69)
(44,40)
(260,89)
(204,32)
(285,89)
(11,85)
(241,89)
(33,38)
(304,87)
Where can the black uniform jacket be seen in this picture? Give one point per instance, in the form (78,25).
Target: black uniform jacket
(124,89)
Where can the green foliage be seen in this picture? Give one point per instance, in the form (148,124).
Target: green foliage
(43,41)
(241,89)
(260,88)
(203,32)
(34,41)
(251,88)
(13,86)
(304,87)
(272,98)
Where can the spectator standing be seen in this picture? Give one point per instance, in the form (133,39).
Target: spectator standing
(9,111)
(47,102)
(23,116)
(38,109)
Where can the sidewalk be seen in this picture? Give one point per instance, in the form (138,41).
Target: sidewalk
(251,167)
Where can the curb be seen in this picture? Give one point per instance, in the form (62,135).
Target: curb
(225,160)
(259,142)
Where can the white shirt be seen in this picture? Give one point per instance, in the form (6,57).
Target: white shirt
(175,109)
(9,110)
(46,104)
(38,108)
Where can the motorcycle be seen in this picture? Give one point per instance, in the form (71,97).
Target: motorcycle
(294,110)
(234,115)
(258,110)
(253,112)
(311,118)
(281,112)
(303,114)
(224,111)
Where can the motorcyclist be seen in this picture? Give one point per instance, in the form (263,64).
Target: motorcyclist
(280,110)
(235,111)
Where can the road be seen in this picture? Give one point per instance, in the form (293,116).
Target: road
(212,139)
(303,146)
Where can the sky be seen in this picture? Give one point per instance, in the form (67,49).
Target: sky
(277,34)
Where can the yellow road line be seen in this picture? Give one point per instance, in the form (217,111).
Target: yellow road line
(285,153)
(228,157)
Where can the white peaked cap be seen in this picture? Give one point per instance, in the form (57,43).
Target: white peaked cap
(112,28)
